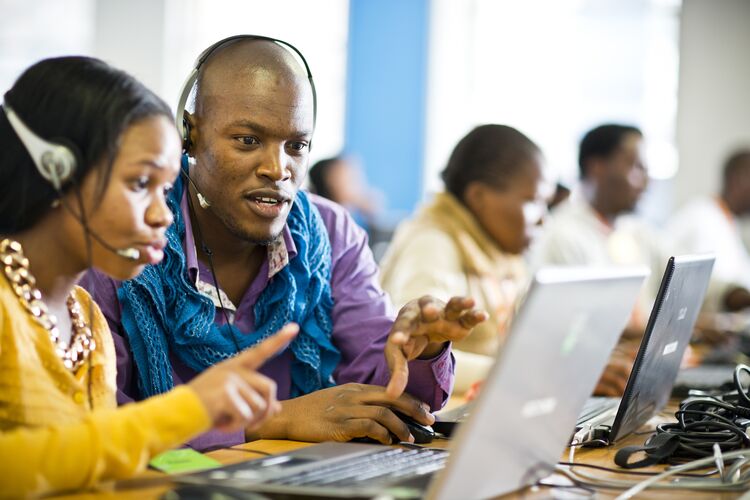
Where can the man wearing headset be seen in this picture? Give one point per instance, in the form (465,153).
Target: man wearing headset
(278,255)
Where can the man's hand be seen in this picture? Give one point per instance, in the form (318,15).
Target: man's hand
(422,328)
(343,413)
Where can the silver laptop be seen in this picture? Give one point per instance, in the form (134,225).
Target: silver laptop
(670,326)
(555,353)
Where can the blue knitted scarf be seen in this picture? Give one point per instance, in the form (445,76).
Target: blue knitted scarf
(163,311)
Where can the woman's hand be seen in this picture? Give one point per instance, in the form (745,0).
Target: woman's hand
(234,394)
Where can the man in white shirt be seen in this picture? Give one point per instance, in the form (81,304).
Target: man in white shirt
(710,225)
(595,228)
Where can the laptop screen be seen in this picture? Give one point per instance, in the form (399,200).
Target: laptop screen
(667,334)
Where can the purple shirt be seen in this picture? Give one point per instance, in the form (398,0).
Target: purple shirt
(362,319)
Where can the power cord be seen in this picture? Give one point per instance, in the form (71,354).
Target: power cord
(209,253)
(734,480)
(632,472)
(248,450)
(702,424)
(709,431)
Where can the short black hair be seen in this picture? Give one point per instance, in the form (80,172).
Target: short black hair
(601,142)
(737,161)
(318,176)
(490,154)
(79,101)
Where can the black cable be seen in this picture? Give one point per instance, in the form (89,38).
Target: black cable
(702,425)
(209,254)
(248,450)
(742,393)
(632,472)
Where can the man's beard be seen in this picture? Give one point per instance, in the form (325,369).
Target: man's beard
(240,234)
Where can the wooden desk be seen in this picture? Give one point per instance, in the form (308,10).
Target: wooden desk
(154,484)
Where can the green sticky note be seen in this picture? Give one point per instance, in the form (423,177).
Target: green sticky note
(183,460)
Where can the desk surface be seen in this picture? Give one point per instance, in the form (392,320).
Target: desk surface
(152,484)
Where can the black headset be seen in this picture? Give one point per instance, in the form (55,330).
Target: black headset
(182,124)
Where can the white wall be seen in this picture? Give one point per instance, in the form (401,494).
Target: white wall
(139,51)
(30,31)
(713,114)
(158,40)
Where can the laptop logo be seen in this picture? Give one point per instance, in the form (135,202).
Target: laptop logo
(577,327)
(682,313)
(670,348)
(538,407)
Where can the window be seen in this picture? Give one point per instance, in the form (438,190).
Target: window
(553,69)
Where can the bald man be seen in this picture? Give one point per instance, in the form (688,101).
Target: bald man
(249,252)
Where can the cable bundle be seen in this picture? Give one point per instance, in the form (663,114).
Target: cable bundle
(710,431)
(702,423)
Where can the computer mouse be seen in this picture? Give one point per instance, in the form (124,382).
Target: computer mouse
(423,434)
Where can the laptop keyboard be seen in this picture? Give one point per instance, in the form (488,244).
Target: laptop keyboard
(596,406)
(376,468)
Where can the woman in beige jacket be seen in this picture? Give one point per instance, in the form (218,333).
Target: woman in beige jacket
(469,240)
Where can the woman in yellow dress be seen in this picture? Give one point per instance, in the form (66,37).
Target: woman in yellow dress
(88,154)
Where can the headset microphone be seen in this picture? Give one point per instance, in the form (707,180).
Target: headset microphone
(183,124)
(129,253)
(202,201)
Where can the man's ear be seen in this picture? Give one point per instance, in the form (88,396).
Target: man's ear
(190,138)
(595,168)
(474,196)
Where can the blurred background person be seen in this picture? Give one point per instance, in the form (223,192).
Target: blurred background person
(596,227)
(711,224)
(562,193)
(470,239)
(341,179)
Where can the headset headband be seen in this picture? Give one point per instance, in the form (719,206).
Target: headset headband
(187,87)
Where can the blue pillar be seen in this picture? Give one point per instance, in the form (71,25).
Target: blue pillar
(386,94)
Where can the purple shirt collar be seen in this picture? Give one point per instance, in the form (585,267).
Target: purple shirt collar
(191,252)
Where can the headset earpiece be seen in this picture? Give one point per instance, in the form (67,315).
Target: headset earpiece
(183,126)
(187,144)
(54,161)
(58,165)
